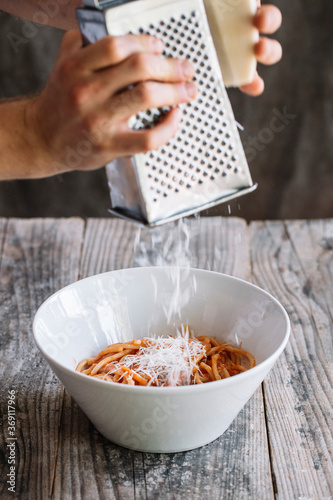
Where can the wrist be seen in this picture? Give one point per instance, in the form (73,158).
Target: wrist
(23,150)
(38,141)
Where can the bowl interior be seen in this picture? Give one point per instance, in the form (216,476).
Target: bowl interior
(83,318)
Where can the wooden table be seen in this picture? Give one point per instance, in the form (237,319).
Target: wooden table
(280,446)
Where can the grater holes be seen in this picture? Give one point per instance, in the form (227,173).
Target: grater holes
(198,147)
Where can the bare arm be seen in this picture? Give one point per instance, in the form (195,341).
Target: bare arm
(59,14)
(20,153)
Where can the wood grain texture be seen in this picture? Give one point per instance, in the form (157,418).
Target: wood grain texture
(108,470)
(39,257)
(61,455)
(3,228)
(294,262)
(234,466)
(108,245)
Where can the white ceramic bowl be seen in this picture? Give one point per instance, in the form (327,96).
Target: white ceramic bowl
(83,318)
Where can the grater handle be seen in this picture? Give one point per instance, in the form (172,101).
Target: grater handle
(105,4)
(91,18)
(92,24)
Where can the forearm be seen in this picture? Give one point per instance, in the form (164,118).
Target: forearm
(22,152)
(60,14)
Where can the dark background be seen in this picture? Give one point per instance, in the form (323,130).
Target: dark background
(294,167)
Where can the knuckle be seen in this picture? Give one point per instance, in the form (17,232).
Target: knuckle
(91,124)
(66,67)
(149,141)
(79,95)
(146,93)
(112,48)
(262,47)
(120,103)
(140,63)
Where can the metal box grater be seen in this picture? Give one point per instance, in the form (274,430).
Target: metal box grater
(204,164)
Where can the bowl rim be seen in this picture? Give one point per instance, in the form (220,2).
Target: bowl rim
(168,389)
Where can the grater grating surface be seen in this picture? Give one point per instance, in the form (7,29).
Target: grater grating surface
(203,151)
(204,163)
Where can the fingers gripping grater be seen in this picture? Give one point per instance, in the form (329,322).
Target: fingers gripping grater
(204,164)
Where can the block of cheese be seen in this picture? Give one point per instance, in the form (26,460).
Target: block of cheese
(234,36)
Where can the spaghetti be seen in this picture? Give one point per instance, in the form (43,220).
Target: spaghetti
(170,361)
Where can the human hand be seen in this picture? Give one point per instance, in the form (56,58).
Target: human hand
(267,20)
(81,117)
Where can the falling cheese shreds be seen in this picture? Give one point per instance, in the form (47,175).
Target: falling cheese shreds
(165,361)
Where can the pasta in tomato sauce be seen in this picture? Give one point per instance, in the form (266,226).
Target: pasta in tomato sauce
(167,361)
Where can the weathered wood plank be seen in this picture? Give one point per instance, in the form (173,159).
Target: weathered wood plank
(39,257)
(234,466)
(3,228)
(294,262)
(108,245)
